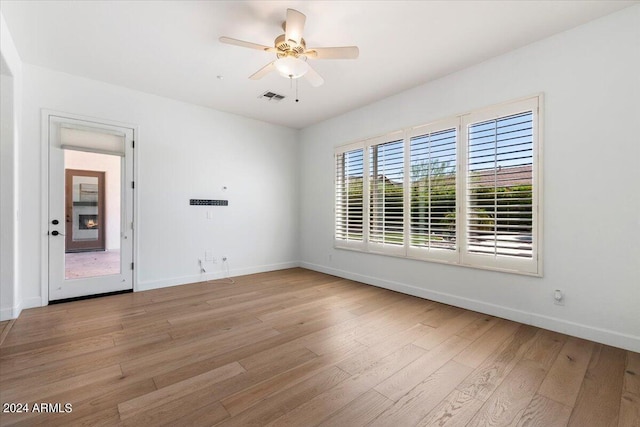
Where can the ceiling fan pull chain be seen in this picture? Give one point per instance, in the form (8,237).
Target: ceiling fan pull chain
(297,100)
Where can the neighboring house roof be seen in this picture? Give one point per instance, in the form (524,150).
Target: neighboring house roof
(505,176)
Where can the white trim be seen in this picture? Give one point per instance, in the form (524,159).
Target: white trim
(513,264)
(9,313)
(32,302)
(44,205)
(136,209)
(604,336)
(45,115)
(184,280)
(525,266)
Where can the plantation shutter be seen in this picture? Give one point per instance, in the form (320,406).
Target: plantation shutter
(464,190)
(433,190)
(500,177)
(349,205)
(386,198)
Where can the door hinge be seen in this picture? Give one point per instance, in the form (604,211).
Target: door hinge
(133,144)
(133,184)
(132,266)
(132,225)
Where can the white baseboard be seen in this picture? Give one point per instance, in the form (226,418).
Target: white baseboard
(604,336)
(6,314)
(9,313)
(175,281)
(32,302)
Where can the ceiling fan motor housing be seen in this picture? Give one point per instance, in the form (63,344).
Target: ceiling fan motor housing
(289,47)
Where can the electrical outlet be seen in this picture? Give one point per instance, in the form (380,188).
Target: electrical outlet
(558,297)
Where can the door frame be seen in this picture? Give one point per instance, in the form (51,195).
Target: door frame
(68,195)
(45,114)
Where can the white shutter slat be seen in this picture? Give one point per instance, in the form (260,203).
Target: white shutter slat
(348,196)
(386,198)
(433,194)
(500,186)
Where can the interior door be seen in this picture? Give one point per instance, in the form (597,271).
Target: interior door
(90,208)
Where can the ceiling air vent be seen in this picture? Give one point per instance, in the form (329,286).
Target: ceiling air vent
(271,96)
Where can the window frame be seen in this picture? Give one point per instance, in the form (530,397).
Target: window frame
(502,263)
(431,254)
(351,244)
(460,256)
(377,247)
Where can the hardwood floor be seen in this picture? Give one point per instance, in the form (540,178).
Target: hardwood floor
(300,348)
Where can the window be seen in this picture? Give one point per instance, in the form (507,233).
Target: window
(463,190)
(386,196)
(432,185)
(349,197)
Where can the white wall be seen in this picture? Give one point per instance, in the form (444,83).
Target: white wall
(10,119)
(183,151)
(110,165)
(591,80)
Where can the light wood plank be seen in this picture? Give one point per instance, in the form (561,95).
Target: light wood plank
(254,394)
(94,409)
(323,348)
(480,349)
(418,402)
(360,362)
(488,376)
(545,348)
(39,356)
(20,393)
(176,391)
(193,409)
(359,412)
(5,327)
(598,401)
(630,404)
(544,412)
(456,409)
(453,327)
(347,391)
(476,329)
(511,398)
(413,374)
(282,402)
(567,373)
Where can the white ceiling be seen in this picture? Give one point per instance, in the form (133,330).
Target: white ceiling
(171,48)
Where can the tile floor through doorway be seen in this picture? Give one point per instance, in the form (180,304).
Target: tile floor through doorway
(91,264)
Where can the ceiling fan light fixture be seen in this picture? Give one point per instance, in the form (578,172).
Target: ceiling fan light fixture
(291,67)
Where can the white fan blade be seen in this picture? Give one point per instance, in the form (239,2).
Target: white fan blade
(344,52)
(263,71)
(294,25)
(250,45)
(313,77)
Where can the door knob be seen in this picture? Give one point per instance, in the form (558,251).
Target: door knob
(55,222)
(56,233)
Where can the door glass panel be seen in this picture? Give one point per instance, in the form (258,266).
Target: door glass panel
(92,214)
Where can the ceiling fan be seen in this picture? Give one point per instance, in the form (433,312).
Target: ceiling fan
(291,50)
